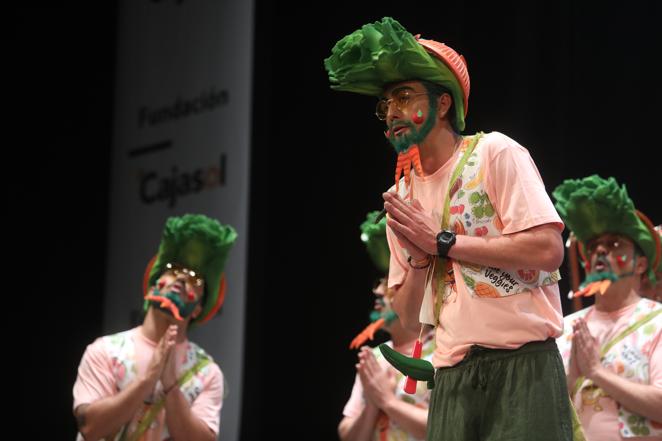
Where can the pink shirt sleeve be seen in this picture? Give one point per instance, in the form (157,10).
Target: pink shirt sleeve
(95,376)
(515,187)
(207,405)
(355,405)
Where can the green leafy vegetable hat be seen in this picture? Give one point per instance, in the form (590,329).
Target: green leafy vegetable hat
(381,53)
(374,236)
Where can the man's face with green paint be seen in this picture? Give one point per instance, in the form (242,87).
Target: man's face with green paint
(611,253)
(183,288)
(409,113)
(383,298)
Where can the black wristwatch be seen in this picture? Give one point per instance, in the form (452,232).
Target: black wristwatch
(445,240)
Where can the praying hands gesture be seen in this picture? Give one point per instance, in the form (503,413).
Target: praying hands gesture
(378,382)
(585,350)
(412,226)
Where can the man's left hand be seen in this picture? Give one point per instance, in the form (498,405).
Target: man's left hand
(411,221)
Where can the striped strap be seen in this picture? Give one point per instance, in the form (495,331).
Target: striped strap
(440,267)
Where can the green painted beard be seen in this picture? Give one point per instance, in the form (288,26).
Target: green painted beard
(597,277)
(185,309)
(416,135)
(388,316)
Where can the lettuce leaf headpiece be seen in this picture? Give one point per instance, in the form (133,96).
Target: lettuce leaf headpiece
(593,206)
(199,243)
(374,236)
(383,52)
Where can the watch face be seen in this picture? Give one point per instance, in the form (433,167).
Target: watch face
(446,236)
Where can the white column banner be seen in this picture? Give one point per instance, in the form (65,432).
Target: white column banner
(182,145)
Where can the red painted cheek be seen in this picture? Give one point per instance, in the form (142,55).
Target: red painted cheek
(191,295)
(417,118)
(621,261)
(387,134)
(161,284)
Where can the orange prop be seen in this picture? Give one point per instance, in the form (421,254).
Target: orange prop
(367,334)
(166,303)
(592,288)
(382,425)
(410,386)
(405,162)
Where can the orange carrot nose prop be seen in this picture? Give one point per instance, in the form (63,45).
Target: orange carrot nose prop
(404,164)
(410,386)
(600,286)
(166,303)
(367,334)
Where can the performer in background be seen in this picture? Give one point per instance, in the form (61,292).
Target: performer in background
(151,382)
(379,407)
(612,350)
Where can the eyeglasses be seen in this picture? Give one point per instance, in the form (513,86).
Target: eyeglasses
(609,243)
(401,99)
(191,277)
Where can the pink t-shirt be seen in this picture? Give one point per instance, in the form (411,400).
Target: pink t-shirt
(112,362)
(601,422)
(517,193)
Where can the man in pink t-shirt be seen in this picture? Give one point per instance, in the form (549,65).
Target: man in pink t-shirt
(612,350)
(151,383)
(475,243)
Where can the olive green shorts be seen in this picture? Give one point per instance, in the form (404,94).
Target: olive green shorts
(502,394)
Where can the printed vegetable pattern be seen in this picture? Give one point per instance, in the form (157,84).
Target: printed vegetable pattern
(472,213)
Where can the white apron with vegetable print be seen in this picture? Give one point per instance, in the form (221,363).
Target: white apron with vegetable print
(472,214)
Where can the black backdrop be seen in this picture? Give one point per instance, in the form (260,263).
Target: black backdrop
(574,84)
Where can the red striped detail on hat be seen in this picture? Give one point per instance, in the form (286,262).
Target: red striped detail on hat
(455,62)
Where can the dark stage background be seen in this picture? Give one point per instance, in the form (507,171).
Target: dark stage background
(576,85)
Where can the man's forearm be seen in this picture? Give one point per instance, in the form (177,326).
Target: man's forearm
(361,428)
(538,248)
(410,418)
(182,423)
(642,399)
(408,298)
(107,415)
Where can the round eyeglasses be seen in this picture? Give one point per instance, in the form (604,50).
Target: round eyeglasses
(192,277)
(401,98)
(609,243)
